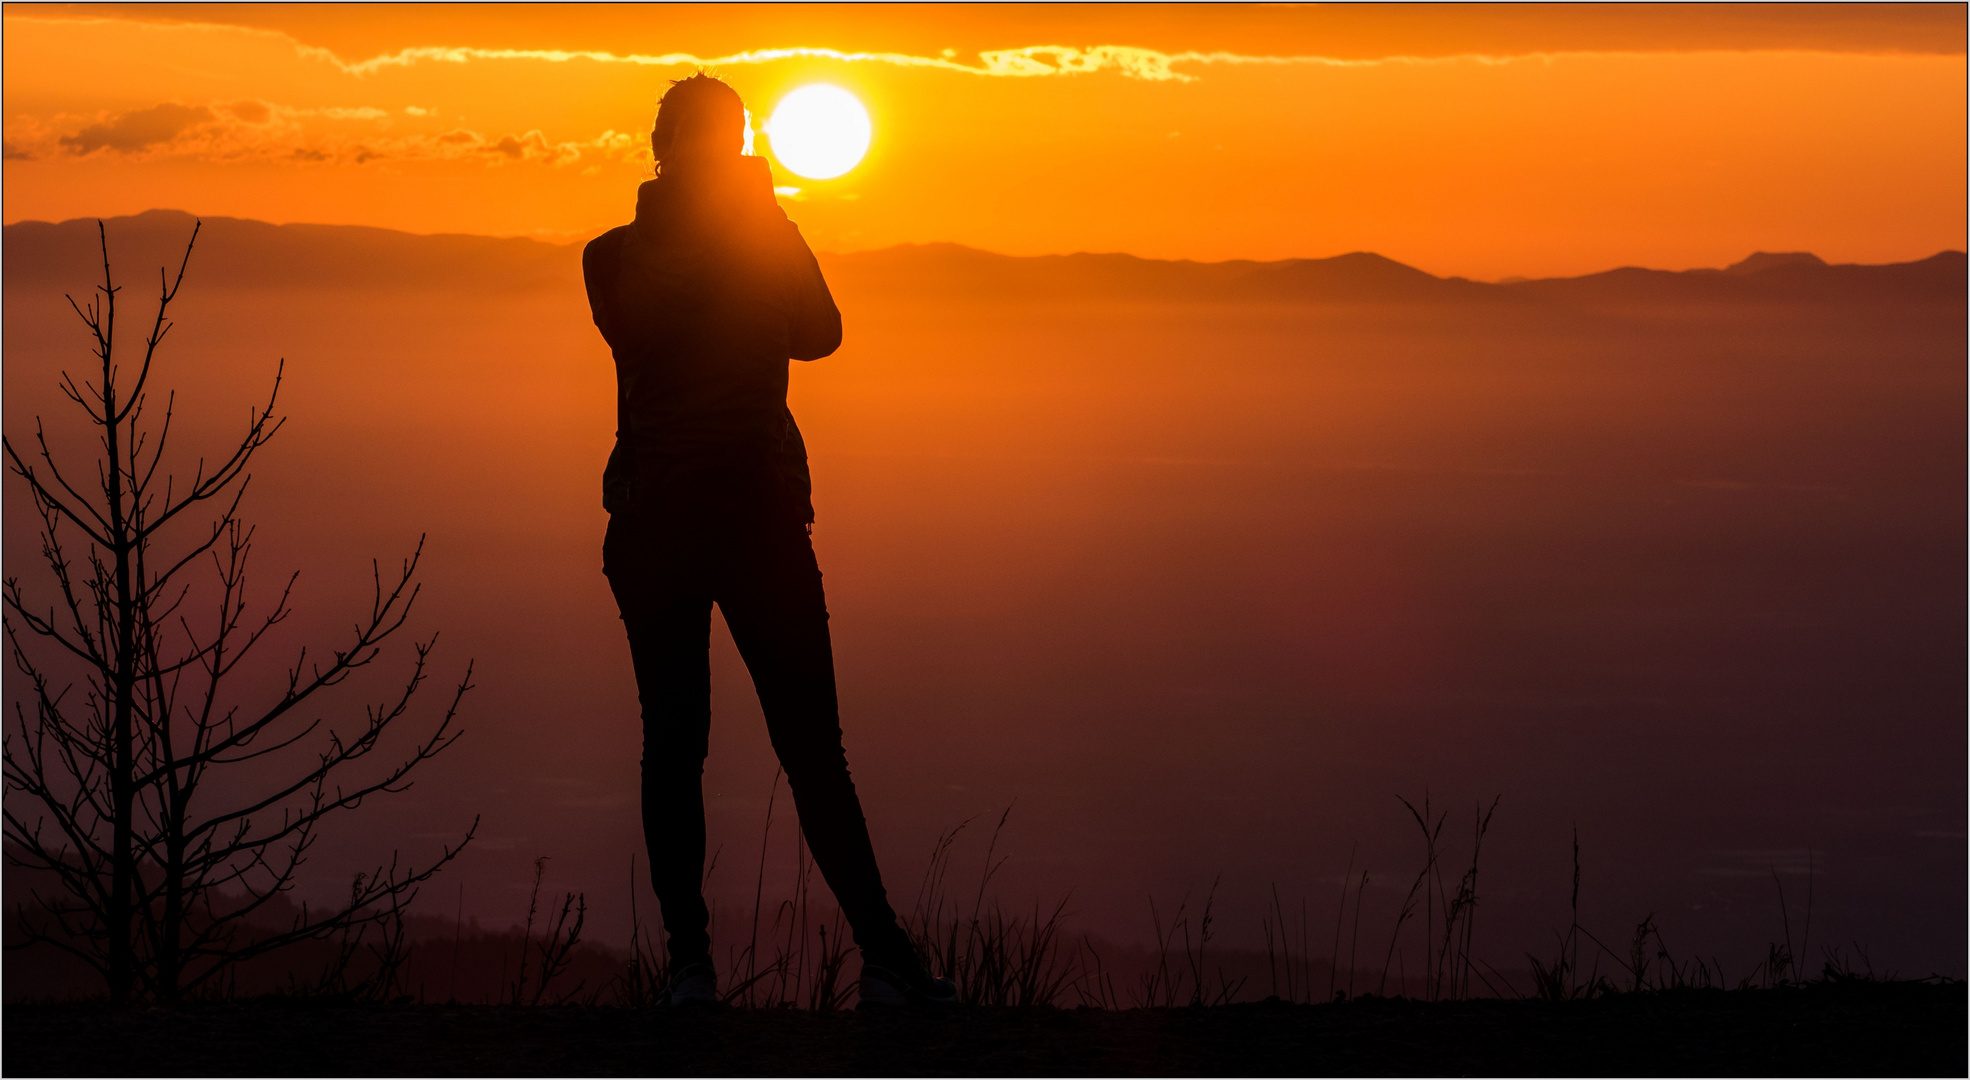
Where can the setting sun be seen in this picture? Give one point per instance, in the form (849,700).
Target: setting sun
(819,131)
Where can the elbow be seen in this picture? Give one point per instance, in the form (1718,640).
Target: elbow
(818,343)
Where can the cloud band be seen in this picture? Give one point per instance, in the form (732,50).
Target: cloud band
(1033,61)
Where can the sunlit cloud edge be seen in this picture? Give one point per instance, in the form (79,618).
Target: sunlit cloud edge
(1033,61)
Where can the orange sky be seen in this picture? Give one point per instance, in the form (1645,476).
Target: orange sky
(1484,141)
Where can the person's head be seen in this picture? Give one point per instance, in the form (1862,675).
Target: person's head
(699,117)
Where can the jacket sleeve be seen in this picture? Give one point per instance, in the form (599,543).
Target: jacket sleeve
(815,322)
(599,263)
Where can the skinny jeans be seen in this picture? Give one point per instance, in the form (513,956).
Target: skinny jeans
(690,537)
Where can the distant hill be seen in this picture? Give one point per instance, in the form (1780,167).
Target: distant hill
(1794,278)
(239,253)
(1760,261)
(950,269)
(1363,277)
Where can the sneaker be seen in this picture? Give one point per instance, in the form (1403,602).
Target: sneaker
(693,984)
(885,986)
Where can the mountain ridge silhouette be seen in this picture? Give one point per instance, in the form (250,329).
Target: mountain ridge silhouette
(245,253)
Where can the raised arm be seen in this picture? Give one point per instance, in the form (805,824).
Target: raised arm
(815,322)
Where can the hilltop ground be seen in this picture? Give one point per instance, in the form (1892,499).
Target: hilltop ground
(1854,1029)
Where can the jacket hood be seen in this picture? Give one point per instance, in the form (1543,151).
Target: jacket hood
(707,194)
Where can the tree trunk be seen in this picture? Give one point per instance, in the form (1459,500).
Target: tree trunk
(123,682)
(169,965)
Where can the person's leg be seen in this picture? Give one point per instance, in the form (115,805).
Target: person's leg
(778,616)
(669,628)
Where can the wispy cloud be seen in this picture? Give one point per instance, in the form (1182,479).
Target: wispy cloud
(259,130)
(1033,61)
(138,129)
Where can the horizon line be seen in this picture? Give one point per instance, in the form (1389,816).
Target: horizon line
(583,238)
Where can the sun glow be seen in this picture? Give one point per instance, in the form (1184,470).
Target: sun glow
(819,131)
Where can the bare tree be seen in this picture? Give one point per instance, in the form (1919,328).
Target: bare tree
(166,881)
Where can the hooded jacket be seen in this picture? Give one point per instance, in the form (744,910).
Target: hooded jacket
(703,300)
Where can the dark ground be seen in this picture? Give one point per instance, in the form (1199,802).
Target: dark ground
(1908,1029)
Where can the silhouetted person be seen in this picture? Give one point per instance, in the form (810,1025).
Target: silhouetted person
(703,300)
